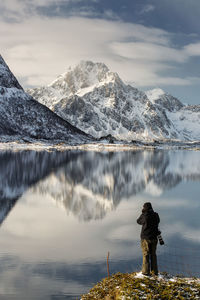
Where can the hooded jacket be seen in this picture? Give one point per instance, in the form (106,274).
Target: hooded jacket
(149,221)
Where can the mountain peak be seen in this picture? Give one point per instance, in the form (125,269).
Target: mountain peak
(85,75)
(7,79)
(167,101)
(88,66)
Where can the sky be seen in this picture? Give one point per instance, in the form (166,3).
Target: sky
(149,43)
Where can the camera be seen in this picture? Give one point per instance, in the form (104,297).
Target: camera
(160,239)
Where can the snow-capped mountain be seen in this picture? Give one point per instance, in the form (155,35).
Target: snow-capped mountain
(21,116)
(98,102)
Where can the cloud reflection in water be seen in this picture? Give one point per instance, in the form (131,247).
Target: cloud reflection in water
(101,195)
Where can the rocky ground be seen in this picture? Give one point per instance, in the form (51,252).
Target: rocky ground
(137,286)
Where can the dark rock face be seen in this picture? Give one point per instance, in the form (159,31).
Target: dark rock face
(7,79)
(192,108)
(21,115)
(169,103)
(29,118)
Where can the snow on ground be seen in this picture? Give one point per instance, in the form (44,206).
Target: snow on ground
(104,146)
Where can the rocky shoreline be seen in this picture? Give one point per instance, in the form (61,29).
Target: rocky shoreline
(137,286)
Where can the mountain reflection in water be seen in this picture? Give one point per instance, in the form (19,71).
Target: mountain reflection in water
(20,170)
(53,253)
(89,184)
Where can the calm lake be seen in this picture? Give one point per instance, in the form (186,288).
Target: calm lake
(61,212)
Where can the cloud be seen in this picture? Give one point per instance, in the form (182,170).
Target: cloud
(193,49)
(20,10)
(15,5)
(110,14)
(146,51)
(39,49)
(147,9)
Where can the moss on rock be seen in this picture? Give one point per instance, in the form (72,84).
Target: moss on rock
(134,286)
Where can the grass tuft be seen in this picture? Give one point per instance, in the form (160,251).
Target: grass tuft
(122,286)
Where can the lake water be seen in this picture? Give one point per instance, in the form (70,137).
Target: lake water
(61,212)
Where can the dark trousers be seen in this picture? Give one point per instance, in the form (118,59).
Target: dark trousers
(149,256)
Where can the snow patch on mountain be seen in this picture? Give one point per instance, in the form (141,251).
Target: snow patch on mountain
(154,94)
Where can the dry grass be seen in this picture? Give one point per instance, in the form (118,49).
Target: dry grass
(131,286)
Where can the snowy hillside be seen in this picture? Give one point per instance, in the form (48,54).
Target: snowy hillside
(97,101)
(21,116)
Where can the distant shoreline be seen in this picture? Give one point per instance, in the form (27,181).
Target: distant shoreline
(61,146)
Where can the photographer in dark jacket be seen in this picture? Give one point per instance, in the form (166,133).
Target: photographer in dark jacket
(149,221)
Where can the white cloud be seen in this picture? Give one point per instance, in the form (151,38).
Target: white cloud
(110,15)
(39,49)
(146,51)
(15,5)
(193,49)
(19,10)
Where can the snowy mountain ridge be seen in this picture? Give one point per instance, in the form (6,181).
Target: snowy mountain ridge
(98,102)
(22,117)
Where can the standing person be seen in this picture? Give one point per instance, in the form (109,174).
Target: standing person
(149,221)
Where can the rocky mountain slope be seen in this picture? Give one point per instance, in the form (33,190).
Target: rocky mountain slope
(98,102)
(21,116)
